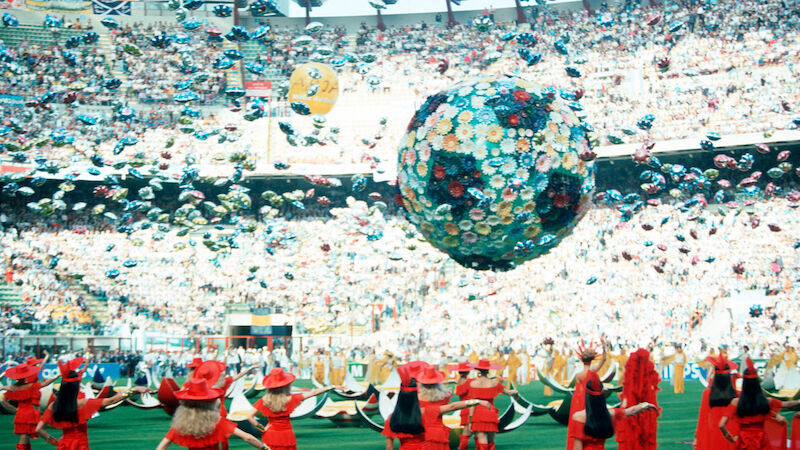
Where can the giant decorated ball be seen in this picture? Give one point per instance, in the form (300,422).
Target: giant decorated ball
(496,171)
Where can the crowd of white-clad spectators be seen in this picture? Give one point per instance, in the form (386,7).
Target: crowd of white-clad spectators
(732,71)
(417,300)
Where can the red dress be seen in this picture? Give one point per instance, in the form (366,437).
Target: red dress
(279,435)
(708,435)
(462,391)
(74,435)
(578,403)
(794,443)
(27,408)
(407,441)
(751,429)
(437,434)
(212,441)
(485,419)
(590,443)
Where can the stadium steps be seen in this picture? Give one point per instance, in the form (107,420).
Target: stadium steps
(11,36)
(106,45)
(233,76)
(10,295)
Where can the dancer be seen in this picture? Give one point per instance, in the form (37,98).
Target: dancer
(462,391)
(715,401)
(70,414)
(588,355)
(752,410)
(26,392)
(596,423)
(277,405)
(640,385)
(405,421)
(485,419)
(678,360)
(433,399)
(198,424)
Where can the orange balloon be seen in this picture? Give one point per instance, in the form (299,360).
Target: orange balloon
(323,96)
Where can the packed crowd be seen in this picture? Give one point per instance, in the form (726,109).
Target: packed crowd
(731,71)
(633,283)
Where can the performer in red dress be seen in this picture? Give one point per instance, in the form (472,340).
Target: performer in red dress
(405,421)
(485,419)
(713,405)
(753,410)
(639,386)
(462,391)
(277,405)
(587,354)
(434,400)
(212,371)
(597,422)
(69,413)
(26,392)
(197,423)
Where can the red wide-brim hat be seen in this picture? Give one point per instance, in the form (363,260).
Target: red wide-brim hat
(197,389)
(484,364)
(464,366)
(195,363)
(209,371)
(414,368)
(22,371)
(277,378)
(430,376)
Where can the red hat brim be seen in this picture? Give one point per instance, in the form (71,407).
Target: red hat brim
(22,371)
(208,395)
(485,365)
(428,378)
(278,380)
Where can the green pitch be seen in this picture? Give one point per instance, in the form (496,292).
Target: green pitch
(127,428)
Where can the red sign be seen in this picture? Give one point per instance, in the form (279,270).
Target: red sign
(258,88)
(5,168)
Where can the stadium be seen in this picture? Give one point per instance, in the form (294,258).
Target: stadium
(399,224)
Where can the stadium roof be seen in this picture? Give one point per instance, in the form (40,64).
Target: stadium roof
(336,8)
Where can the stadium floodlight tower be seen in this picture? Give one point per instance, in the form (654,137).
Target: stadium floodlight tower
(379,5)
(308,5)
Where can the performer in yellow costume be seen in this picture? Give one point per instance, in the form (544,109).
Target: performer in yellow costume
(498,359)
(386,365)
(513,363)
(678,360)
(621,360)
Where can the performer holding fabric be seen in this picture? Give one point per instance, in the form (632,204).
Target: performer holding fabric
(434,400)
(753,411)
(716,399)
(26,392)
(69,413)
(462,391)
(640,385)
(588,355)
(597,421)
(277,405)
(485,419)
(198,424)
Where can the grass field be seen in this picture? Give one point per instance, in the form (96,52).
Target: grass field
(127,428)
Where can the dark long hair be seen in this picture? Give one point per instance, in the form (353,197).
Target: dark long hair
(407,417)
(752,401)
(598,420)
(483,373)
(65,408)
(722,391)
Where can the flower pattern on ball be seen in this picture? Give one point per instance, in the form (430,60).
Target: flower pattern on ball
(490,171)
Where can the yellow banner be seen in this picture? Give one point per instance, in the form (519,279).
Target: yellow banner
(73,6)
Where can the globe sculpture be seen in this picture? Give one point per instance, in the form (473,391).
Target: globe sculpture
(496,171)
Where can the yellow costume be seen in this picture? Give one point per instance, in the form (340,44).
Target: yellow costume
(473,357)
(621,360)
(498,359)
(319,370)
(678,359)
(513,363)
(386,365)
(338,369)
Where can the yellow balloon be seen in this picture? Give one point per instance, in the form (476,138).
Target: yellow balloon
(324,89)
